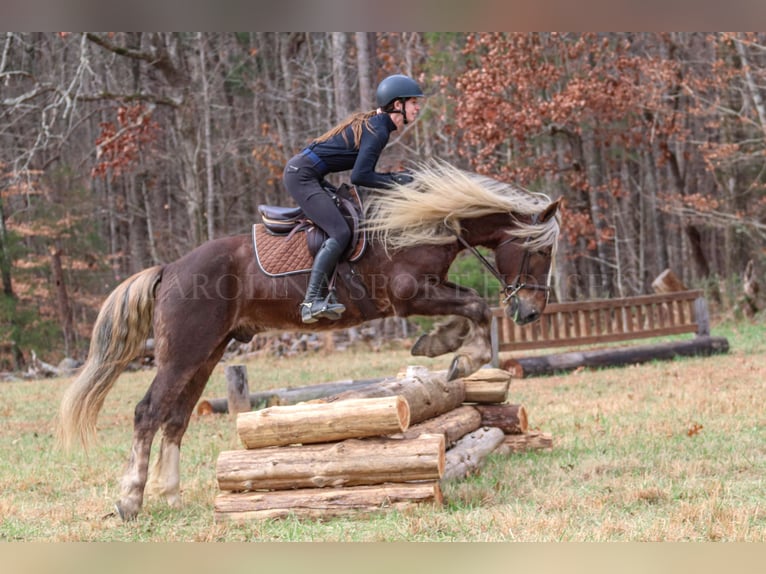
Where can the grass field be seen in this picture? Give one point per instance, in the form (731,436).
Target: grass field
(662,451)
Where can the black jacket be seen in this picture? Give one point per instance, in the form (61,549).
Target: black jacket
(339,153)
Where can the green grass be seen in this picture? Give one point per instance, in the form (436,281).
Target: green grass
(662,451)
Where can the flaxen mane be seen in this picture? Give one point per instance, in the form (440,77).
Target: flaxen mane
(428,210)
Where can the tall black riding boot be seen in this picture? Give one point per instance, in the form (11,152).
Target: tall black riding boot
(317,302)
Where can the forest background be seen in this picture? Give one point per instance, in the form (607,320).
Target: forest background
(123,150)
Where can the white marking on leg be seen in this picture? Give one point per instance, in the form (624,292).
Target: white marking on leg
(165,475)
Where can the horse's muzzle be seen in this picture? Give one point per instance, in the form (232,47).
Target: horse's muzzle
(521,312)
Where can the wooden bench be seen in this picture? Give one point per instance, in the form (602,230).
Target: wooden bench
(578,323)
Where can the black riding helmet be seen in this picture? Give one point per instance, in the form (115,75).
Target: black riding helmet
(397,87)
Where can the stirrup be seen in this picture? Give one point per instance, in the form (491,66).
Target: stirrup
(312,311)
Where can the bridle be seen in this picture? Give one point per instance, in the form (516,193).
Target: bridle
(510,289)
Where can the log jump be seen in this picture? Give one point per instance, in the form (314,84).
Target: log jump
(358,451)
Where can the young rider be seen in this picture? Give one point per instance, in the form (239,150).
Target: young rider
(354,144)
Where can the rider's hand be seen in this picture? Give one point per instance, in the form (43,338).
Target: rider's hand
(402,178)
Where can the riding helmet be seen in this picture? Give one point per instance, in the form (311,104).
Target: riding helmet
(396,87)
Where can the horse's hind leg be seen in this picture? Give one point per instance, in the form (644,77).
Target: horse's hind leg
(145,426)
(445,337)
(164,477)
(168,405)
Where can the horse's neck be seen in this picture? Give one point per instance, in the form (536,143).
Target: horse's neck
(484,231)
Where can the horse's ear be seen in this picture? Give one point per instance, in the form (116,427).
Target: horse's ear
(549,211)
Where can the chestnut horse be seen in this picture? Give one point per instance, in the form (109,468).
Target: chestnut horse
(197,304)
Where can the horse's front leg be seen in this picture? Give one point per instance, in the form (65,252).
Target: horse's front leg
(468,333)
(475,352)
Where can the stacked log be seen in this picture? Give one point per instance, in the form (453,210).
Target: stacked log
(386,445)
(336,456)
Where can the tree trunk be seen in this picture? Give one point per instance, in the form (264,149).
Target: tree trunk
(351,462)
(366,96)
(339,76)
(753,89)
(64,308)
(285,44)
(5,260)
(323,422)
(325,503)
(150,230)
(470,452)
(207,139)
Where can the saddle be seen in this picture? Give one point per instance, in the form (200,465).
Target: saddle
(286,241)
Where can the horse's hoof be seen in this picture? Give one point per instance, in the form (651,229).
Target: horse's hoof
(461,366)
(456,368)
(124,514)
(420,346)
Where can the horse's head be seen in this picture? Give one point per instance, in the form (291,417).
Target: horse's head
(525,264)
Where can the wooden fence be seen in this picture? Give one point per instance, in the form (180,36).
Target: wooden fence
(578,323)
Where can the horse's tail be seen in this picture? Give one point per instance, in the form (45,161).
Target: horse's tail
(120,332)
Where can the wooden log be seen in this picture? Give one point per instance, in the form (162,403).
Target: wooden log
(487,386)
(307,423)
(285,396)
(511,419)
(453,425)
(322,503)
(471,451)
(513,367)
(615,357)
(533,440)
(352,462)
(667,282)
(237,390)
(428,393)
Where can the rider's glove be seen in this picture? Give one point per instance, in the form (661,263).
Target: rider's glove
(402,178)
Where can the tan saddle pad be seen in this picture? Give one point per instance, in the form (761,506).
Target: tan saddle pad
(279,255)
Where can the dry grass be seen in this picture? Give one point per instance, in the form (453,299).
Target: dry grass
(663,451)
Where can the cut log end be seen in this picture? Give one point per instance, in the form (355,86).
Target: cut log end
(205,408)
(403,413)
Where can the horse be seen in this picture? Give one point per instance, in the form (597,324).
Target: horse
(217,292)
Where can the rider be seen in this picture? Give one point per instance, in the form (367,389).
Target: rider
(355,144)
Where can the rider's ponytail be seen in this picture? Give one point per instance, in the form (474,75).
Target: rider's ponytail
(357,121)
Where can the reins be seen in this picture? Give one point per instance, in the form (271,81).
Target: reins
(513,288)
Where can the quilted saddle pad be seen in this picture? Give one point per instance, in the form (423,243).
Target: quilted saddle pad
(279,255)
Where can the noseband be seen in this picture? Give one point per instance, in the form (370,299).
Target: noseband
(510,289)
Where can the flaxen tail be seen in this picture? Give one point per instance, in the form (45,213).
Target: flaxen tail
(120,332)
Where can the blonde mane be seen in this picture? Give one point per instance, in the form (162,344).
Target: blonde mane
(429,210)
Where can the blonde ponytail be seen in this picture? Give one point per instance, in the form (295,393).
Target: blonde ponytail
(357,121)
